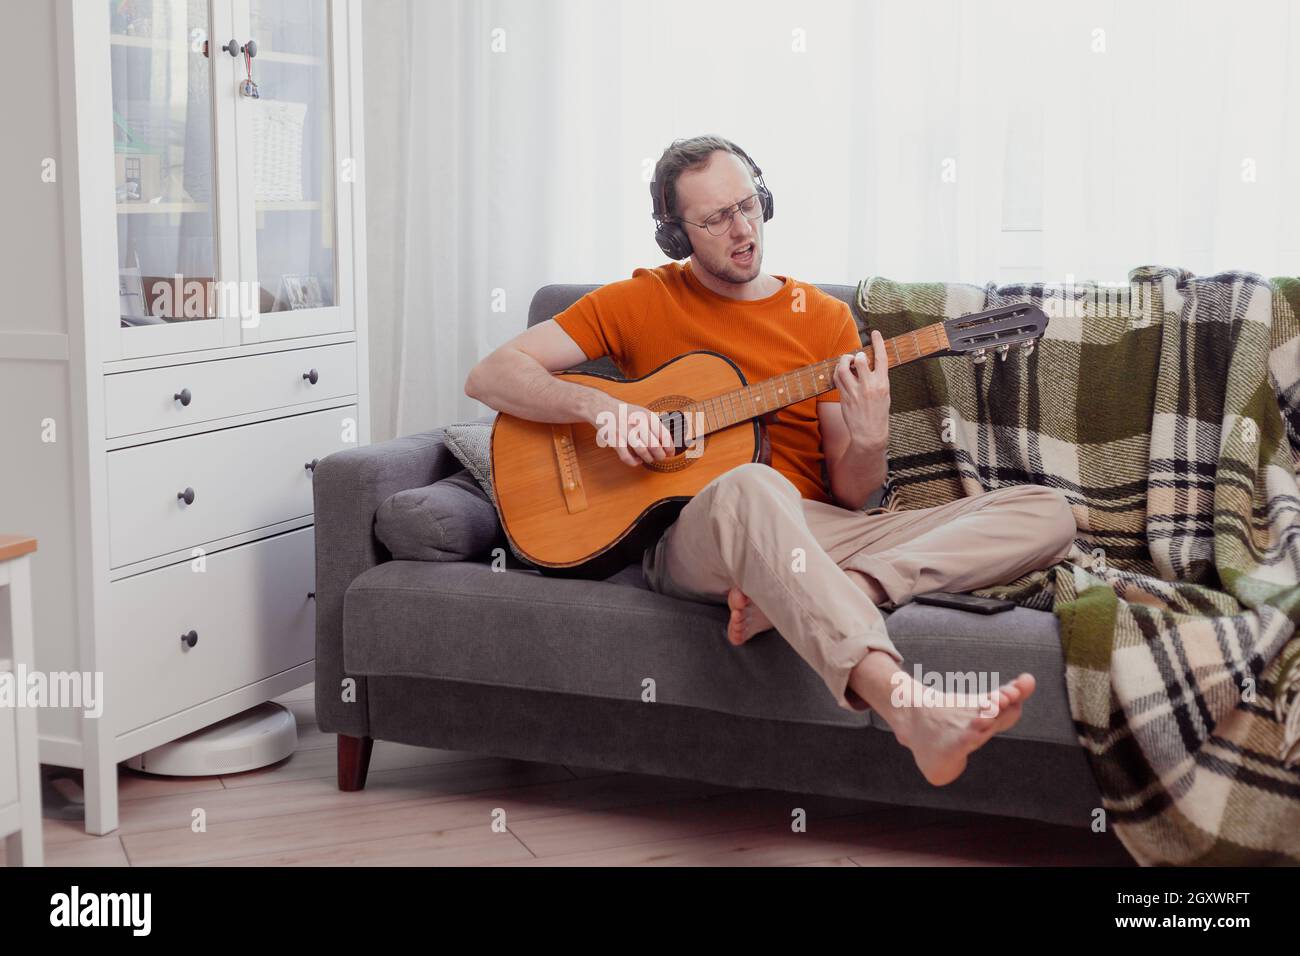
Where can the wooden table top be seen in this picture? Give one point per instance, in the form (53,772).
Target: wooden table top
(15,546)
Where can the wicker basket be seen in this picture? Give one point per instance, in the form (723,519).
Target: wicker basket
(277,149)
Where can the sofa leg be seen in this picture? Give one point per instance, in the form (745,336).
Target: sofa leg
(354,761)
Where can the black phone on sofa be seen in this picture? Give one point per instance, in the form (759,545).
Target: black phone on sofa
(964,602)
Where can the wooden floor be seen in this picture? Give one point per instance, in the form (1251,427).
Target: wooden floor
(437,807)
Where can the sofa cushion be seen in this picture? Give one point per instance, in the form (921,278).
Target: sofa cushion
(449,520)
(463,621)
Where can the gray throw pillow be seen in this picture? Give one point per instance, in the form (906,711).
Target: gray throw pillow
(449,520)
(471,443)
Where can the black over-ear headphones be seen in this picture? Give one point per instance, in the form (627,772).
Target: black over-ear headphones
(671,235)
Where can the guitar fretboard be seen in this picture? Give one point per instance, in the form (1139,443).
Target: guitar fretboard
(750,401)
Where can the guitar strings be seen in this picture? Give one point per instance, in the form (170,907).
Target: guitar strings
(729,408)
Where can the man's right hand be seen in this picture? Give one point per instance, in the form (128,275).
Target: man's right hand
(634,432)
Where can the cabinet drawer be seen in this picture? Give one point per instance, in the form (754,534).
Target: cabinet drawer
(8,755)
(248,610)
(242,479)
(145,401)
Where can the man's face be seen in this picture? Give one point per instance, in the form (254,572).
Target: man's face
(702,192)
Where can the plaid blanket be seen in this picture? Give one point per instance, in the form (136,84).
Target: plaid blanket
(1168,412)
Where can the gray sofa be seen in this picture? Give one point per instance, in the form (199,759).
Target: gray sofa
(456,656)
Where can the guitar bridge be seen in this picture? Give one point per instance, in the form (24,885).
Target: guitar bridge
(566,457)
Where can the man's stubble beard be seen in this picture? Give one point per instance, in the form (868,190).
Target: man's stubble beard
(731,273)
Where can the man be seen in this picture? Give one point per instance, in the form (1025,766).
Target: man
(772,542)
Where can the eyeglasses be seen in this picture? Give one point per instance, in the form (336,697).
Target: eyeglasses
(720,221)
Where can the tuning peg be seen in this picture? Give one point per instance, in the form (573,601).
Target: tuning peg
(1002,352)
(1028,348)
(978,357)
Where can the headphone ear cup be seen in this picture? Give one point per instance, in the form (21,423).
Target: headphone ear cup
(673,240)
(670,236)
(768,204)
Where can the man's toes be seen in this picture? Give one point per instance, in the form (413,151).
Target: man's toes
(1005,719)
(988,721)
(1025,684)
(1017,690)
(735,630)
(736,623)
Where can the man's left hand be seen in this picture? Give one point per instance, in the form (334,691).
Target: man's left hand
(864,396)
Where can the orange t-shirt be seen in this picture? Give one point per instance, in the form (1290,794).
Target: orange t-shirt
(660,313)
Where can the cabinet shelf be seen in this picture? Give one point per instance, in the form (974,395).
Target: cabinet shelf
(148,43)
(299,205)
(135,208)
(299,59)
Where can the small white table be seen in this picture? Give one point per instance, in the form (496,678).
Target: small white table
(20,769)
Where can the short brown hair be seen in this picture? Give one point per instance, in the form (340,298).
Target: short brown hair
(684,154)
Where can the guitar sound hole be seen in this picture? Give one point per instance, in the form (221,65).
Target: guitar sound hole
(676,424)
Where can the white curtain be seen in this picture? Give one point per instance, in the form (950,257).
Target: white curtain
(510,142)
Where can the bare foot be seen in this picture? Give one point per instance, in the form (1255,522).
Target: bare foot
(942,737)
(746,619)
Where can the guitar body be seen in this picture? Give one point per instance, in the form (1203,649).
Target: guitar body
(574,508)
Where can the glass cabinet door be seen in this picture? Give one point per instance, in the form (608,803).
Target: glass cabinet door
(289,162)
(171,266)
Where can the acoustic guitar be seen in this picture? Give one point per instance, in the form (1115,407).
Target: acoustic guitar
(572,507)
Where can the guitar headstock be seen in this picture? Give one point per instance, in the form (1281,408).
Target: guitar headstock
(996,331)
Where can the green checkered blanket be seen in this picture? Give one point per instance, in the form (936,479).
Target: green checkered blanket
(1168,411)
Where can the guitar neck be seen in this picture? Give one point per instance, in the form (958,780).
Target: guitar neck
(751,401)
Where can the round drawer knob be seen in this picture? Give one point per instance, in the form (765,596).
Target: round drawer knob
(186,496)
(311,465)
(183,396)
(312,376)
(190,638)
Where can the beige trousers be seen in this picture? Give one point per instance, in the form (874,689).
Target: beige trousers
(806,564)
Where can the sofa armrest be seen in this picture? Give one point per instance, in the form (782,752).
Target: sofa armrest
(348,487)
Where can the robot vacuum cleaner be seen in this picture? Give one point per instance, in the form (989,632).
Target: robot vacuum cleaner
(255,738)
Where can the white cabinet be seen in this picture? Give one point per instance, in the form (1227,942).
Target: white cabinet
(209,347)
